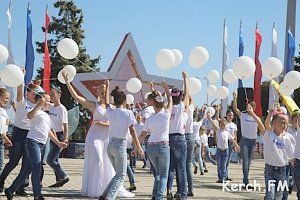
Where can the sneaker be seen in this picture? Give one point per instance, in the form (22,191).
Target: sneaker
(1,186)
(132,188)
(8,194)
(248,187)
(290,189)
(190,194)
(62,182)
(219,181)
(39,198)
(202,173)
(101,198)
(153,198)
(176,194)
(206,170)
(21,192)
(55,185)
(228,179)
(169,195)
(195,170)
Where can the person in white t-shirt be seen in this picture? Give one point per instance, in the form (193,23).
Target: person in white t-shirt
(158,144)
(199,147)
(232,129)
(59,116)
(222,137)
(278,151)
(297,155)
(4,98)
(250,124)
(120,120)
(41,127)
(139,129)
(20,131)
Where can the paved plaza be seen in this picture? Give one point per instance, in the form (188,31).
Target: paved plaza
(205,186)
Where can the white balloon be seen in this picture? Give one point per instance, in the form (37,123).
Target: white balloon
(61,78)
(272,67)
(229,76)
(12,75)
(292,79)
(3,53)
(129,99)
(134,85)
(198,57)
(194,85)
(244,67)
(213,76)
(67,48)
(178,56)
(210,110)
(285,89)
(165,59)
(222,92)
(70,70)
(211,90)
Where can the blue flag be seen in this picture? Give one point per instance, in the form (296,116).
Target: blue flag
(29,65)
(291,52)
(241,52)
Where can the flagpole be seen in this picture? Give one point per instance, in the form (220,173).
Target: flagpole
(224,102)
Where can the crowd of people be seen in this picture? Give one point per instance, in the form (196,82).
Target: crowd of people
(167,131)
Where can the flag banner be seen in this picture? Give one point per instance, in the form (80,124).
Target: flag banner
(241,53)
(29,64)
(291,52)
(273,96)
(258,74)
(47,62)
(224,102)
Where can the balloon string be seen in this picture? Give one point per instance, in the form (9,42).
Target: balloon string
(272,88)
(15,61)
(91,69)
(246,96)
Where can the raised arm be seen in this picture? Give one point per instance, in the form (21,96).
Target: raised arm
(170,101)
(215,127)
(38,106)
(185,89)
(88,104)
(107,92)
(234,104)
(259,123)
(268,121)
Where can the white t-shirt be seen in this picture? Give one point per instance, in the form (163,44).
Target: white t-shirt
(189,121)
(22,108)
(139,128)
(196,128)
(231,128)
(248,126)
(204,139)
(277,150)
(158,126)
(176,119)
(147,112)
(120,120)
(59,116)
(297,147)
(40,124)
(292,131)
(3,121)
(222,139)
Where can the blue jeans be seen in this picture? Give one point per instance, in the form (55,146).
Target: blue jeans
(208,156)
(230,151)
(1,155)
(160,157)
(178,149)
(32,165)
(130,174)
(247,151)
(52,159)
(15,152)
(297,176)
(222,157)
(190,143)
(291,182)
(276,174)
(197,159)
(117,154)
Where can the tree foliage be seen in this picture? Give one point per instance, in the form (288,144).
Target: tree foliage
(67,24)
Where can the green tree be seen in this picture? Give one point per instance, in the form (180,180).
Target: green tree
(68,24)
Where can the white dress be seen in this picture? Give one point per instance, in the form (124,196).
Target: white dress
(98,170)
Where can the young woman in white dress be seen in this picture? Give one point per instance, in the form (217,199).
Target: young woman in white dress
(97,170)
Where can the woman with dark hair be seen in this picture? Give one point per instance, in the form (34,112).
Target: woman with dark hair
(120,120)
(178,146)
(158,144)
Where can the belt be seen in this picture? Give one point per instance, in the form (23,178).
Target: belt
(222,149)
(275,167)
(160,142)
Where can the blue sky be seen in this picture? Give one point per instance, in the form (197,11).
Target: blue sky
(160,24)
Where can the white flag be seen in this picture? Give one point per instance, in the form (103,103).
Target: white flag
(224,102)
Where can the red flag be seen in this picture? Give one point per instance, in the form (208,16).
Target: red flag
(258,74)
(47,62)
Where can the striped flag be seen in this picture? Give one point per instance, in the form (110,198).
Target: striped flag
(241,50)
(29,64)
(273,96)
(258,74)
(291,52)
(224,68)
(47,62)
